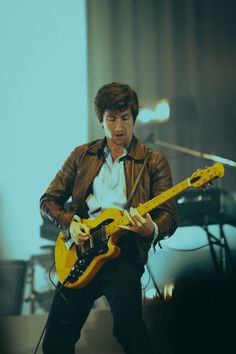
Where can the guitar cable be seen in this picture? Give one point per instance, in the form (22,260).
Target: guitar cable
(148,281)
(58,288)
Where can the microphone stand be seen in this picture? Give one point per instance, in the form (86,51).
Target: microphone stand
(204,155)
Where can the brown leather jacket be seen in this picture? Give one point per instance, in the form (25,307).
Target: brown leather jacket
(78,172)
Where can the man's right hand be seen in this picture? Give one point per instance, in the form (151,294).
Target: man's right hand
(79,232)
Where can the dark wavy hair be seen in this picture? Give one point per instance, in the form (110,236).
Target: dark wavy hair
(116,97)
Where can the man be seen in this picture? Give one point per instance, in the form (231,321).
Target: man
(97,176)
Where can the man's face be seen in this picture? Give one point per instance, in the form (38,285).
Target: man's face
(118,126)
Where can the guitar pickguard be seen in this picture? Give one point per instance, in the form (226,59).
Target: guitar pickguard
(92,248)
(84,260)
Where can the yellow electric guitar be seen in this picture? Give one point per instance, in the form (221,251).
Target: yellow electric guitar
(76,267)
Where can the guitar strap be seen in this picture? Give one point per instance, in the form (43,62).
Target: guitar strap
(128,204)
(129,201)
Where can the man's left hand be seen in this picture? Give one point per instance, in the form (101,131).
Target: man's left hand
(143,225)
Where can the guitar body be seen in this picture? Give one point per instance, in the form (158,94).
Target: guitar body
(76,267)
(66,259)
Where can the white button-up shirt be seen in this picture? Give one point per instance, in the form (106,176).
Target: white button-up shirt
(109,186)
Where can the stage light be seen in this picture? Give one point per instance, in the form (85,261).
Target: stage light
(157,112)
(168,291)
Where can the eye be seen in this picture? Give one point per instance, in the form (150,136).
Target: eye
(111,118)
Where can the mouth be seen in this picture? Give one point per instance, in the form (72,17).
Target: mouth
(119,135)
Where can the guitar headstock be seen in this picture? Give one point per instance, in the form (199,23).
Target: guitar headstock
(201,177)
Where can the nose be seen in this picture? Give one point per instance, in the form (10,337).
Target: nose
(119,124)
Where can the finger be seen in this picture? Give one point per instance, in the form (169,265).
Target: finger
(82,240)
(136,223)
(85,229)
(148,216)
(74,238)
(129,228)
(129,217)
(79,237)
(136,215)
(83,234)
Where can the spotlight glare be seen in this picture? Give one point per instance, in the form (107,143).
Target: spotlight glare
(160,113)
(168,291)
(163,110)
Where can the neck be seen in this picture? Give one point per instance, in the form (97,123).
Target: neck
(116,150)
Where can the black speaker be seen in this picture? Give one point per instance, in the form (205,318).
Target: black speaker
(12,285)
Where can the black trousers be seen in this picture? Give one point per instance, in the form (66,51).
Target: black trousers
(119,281)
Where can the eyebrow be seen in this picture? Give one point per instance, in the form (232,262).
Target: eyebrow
(113,114)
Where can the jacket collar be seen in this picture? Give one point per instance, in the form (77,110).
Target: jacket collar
(97,146)
(136,149)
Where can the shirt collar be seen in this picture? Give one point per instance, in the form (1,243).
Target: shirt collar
(108,153)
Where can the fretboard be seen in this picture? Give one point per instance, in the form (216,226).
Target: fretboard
(149,205)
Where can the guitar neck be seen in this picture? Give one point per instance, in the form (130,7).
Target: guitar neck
(149,205)
(163,197)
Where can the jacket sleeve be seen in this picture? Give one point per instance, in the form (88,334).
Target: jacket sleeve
(161,180)
(52,202)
